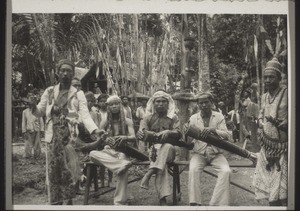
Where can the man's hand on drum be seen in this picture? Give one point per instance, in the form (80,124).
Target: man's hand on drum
(163,135)
(110,141)
(120,139)
(140,135)
(206,131)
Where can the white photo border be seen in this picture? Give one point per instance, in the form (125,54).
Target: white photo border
(150,6)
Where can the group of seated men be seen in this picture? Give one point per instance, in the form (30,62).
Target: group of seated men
(160,127)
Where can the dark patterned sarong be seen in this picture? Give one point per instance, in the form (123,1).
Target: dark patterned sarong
(63,167)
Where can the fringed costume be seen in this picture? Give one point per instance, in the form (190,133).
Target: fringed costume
(270,179)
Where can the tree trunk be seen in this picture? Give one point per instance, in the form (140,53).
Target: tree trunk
(203,63)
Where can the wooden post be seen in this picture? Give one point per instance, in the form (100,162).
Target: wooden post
(184,96)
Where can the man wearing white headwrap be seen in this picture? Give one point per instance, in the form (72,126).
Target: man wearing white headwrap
(119,129)
(161,119)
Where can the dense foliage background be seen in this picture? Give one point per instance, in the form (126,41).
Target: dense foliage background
(145,52)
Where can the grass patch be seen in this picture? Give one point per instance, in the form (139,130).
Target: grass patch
(28,173)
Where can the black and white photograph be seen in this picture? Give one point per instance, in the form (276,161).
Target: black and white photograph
(140,105)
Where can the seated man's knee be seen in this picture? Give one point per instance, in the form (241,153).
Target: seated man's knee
(168,146)
(194,169)
(225,170)
(95,154)
(92,153)
(122,156)
(167,150)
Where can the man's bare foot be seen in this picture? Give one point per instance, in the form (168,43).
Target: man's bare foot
(145,181)
(123,169)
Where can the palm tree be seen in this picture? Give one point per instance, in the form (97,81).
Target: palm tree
(50,37)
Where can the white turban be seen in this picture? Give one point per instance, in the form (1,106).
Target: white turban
(150,105)
(113,98)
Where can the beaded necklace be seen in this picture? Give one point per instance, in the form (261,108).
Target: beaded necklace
(274,97)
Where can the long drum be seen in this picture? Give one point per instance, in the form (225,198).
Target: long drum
(194,132)
(132,152)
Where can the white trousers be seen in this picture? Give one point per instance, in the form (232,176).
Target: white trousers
(33,141)
(114,160)
(165,154)
(221,191)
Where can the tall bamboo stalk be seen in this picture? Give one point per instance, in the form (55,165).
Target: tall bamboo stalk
(199,26)
(203,74)
(258,75)
(184,30)
(136,52)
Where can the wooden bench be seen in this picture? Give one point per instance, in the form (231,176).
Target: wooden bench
(173,169)
(92,176)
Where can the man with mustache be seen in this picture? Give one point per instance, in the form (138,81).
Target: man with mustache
(62,104)
(270,178)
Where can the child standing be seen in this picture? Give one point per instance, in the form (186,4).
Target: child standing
(31,129)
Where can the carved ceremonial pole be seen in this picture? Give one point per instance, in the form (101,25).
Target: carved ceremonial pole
(184,97)
(195,132)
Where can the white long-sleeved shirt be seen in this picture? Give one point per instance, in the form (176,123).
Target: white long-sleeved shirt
(216,121)
(31,123)
(140,112)
(77,106)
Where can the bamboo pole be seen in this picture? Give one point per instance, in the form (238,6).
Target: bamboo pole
(183,50)
(257,64)
(257,69)
(199,26)
(47,175)
(136,40)
(204,60)
(262,66)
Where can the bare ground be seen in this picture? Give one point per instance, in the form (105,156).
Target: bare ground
(29,185)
